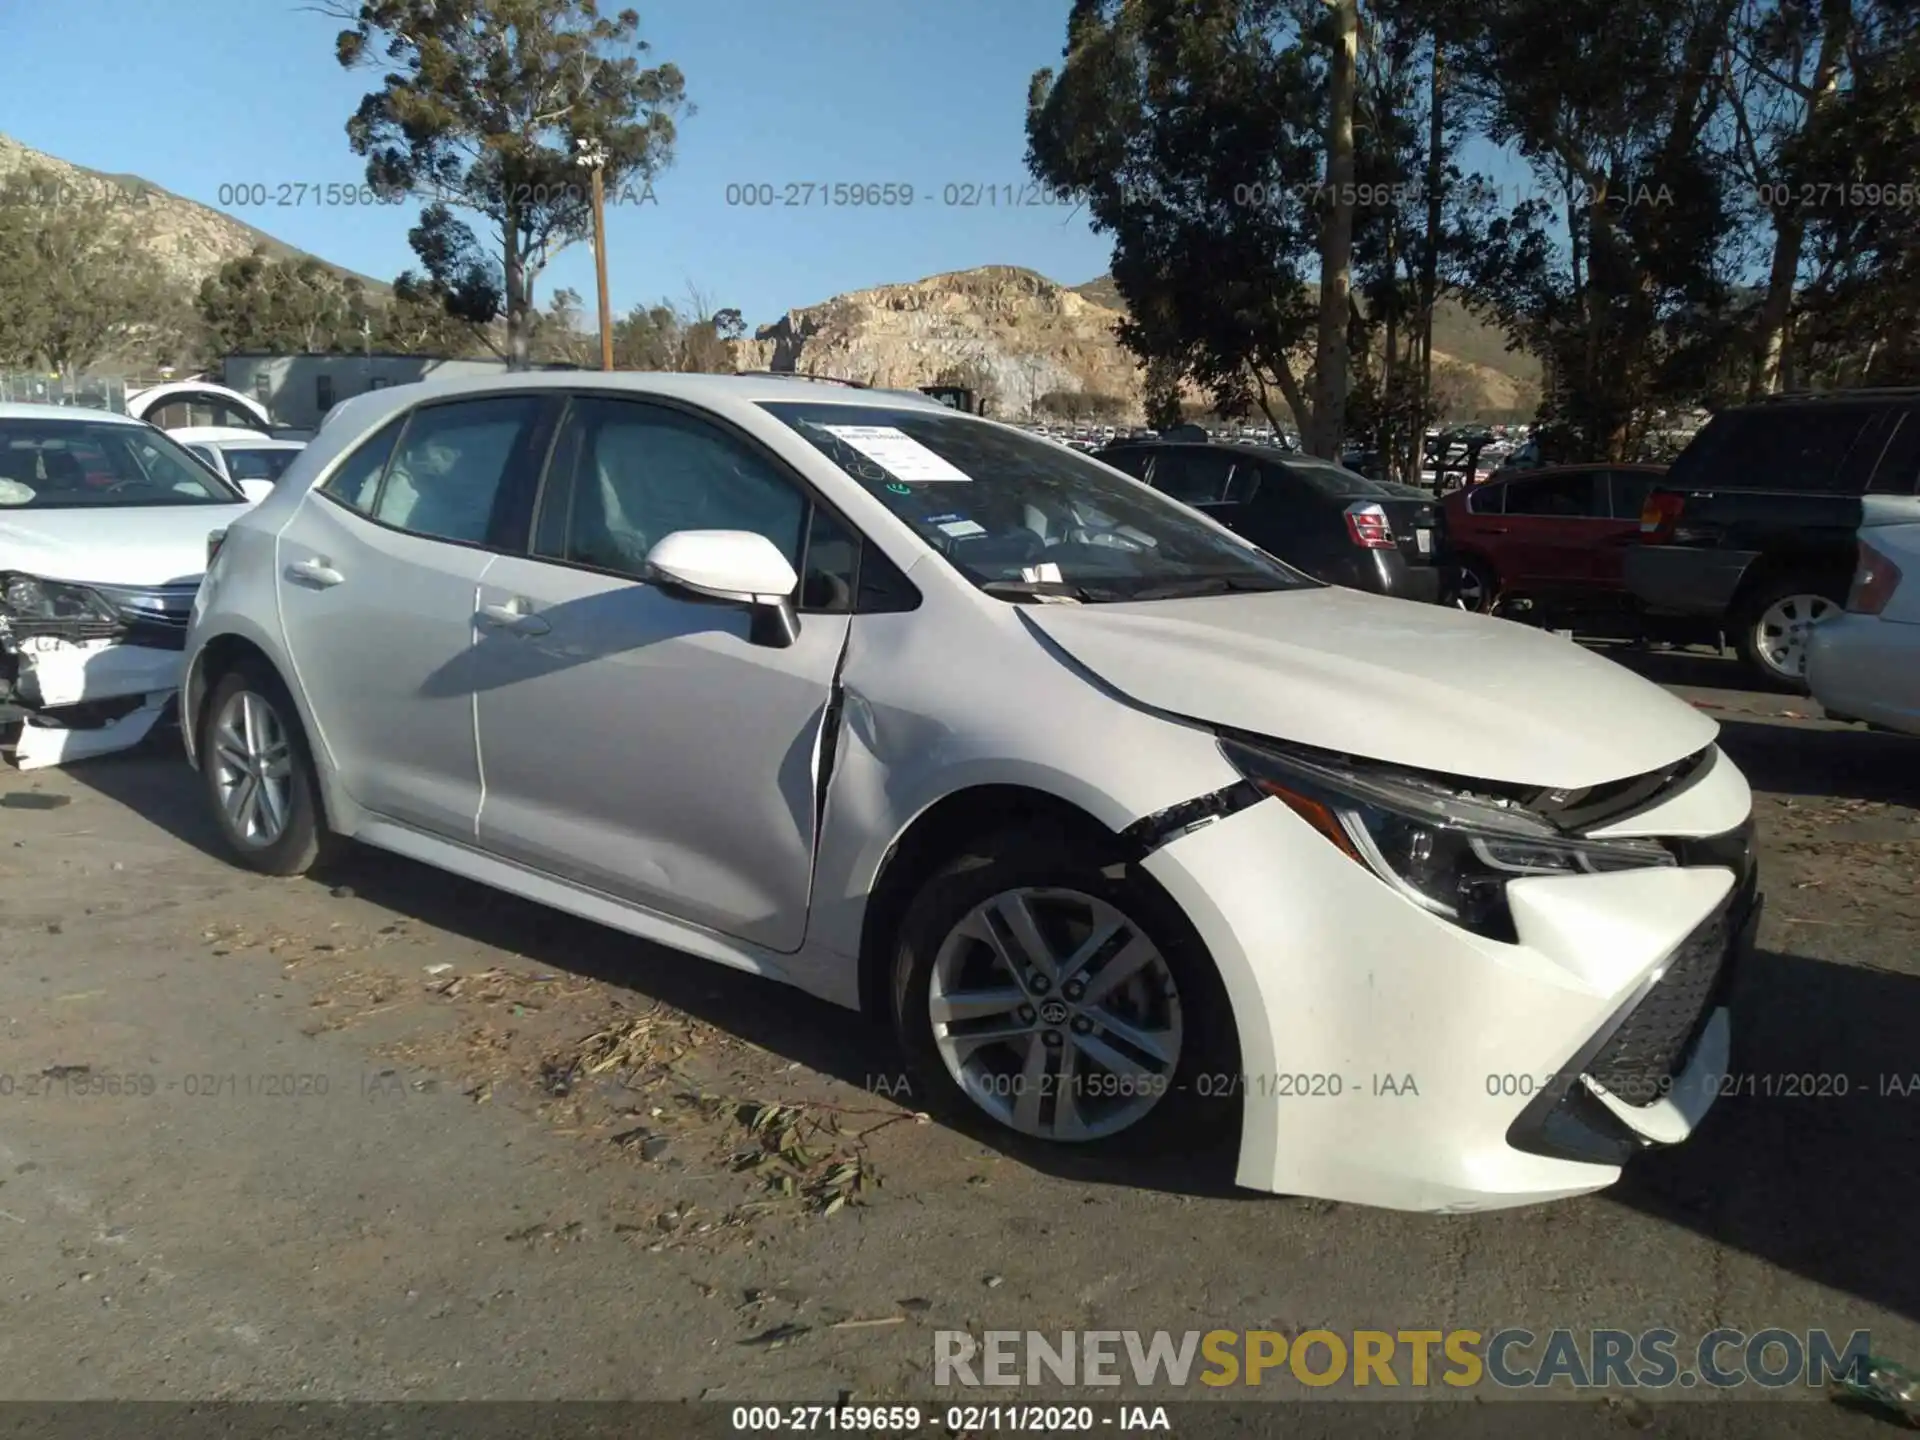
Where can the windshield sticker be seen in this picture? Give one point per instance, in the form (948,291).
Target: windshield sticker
(960,529)
(12,492)
(897,452)
(1045,574)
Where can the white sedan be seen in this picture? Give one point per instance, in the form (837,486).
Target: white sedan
(1865,664)
(104,525)
(251,460)
(1124,827)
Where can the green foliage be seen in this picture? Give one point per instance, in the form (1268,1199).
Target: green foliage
(72,291)
(300,306)
(1194,132)
(1657,263)
(689,337)
(487,107)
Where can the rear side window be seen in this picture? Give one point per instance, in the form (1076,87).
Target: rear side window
(1629,490)
(356,480)
(446,473)
(1197,477)
(1899,470)
(1133,461)
(1785,447)
(1577,495)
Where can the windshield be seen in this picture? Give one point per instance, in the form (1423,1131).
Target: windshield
(1017,514)
(73,464)
(268,464)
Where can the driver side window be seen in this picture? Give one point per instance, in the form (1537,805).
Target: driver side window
(626,474)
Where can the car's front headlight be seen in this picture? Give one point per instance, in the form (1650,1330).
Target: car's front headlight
(29,598)
(1448,851)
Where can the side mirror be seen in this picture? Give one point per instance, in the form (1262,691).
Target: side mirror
(256,490)
(735,567)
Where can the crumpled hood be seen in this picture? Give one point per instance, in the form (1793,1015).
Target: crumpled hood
(1423,686)
(113,545)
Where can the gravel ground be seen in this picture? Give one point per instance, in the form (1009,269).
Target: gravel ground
(382,1134)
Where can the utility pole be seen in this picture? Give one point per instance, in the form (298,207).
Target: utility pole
(594,158)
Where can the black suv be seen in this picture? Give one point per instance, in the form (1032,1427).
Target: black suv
(1753,527)
(1319,517)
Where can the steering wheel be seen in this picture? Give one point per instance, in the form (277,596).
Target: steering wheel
(119,485)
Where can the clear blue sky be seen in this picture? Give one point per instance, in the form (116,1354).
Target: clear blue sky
(206,93)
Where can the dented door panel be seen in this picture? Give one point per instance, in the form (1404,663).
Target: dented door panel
(586,767)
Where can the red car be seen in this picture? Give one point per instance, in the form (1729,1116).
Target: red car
(1557,536)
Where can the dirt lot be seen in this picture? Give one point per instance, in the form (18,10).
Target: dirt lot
(384,1134)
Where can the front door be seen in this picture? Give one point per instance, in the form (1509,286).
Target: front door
(379,574)
(634,740)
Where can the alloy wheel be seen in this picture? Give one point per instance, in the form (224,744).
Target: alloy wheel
(1780,634)
(1468,591)
(1056,1014)
(253,768)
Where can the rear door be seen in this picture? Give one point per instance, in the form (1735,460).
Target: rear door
(380,568)
(1553,522)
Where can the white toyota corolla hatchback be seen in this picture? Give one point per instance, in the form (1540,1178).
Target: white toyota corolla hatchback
(1124,827)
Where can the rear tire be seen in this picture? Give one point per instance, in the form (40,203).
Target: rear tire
(259,774)
(1089,1062)
(1772,624)
(1477,588)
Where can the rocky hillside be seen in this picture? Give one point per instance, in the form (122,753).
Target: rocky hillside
(1028,336)
(187,240)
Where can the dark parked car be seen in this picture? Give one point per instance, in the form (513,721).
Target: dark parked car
(1317,516)
(1753,528)
(1558,536)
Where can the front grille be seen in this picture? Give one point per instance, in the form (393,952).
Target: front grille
(1651,1045)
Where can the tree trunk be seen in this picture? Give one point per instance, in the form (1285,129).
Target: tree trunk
(1789,233)
(1336,235)
(519,303)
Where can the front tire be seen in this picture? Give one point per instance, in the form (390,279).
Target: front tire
(1063,996)
(259,774)
(1774,625)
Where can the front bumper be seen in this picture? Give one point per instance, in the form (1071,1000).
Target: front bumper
(77,699)
(1685,579)
(1392,1059)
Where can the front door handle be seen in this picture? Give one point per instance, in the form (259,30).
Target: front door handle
(315,572)
(512,617)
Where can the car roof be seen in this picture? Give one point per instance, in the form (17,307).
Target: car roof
(22,410)
(209,434)
(250,442)
(706,389)
(1539,470)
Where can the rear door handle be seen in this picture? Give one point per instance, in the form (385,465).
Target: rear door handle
(512,617)
(1494,529)
(315,572)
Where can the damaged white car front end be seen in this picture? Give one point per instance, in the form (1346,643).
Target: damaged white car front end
(86,670)
(105,529)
